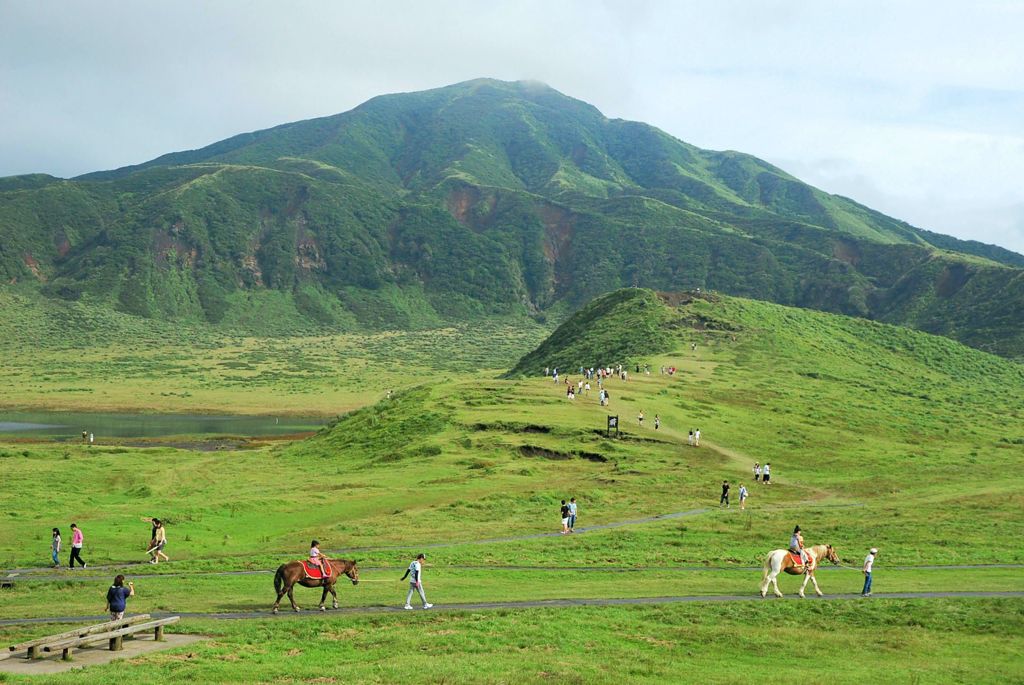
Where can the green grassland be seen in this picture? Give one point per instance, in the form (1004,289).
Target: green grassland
(877,436)
(897,641)
(73,356)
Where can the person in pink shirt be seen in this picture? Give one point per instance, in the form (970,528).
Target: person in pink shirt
(76,545)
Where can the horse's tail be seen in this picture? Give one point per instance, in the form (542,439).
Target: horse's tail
(767,568)
(279,579)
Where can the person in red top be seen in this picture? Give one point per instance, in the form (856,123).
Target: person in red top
(76,545)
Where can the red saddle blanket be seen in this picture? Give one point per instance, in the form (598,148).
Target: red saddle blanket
(795,557)
(314,571)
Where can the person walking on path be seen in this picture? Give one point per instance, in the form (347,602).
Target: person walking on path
(767,474)
(565,517)
(117,598)
(657,422)
(415,575)
(76,545)
(92,439)
(572,514)
(743,497)
(159,542)
(869,562)
(696,438)
(55,548)
(757,471)
(690,439)
(640,418)
(725,494)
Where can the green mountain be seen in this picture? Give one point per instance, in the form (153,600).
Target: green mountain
(482,197)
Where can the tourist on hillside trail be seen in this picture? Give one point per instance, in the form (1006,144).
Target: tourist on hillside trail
(607,398)
(159,542)
(565,517)
(640,418)
(415,575)
(547,372)
(92,439)
(76,546)
(586,387)
(85,437)
(869,562)
(743,497)
(767,474)
(696,438)
(117,598)
(796,544)
(317,558)
(724,499)
(55,548)
(657,422)
(689,441)
(572,514)
(757,471)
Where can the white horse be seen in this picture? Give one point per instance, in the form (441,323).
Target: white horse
(780,560)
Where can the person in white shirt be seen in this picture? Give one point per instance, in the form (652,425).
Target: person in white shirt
(696,438)
(415,575)
(869,562)
(743,497)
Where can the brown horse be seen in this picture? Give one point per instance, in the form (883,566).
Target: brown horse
(779,561)
(291,573)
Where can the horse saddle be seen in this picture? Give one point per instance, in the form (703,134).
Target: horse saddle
(797,561)
(314,571)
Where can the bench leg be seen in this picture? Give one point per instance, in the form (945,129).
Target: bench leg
(158,633)
(65,654)
(116,644)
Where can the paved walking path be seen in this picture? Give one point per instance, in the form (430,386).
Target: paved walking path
(44,576)
(529,604)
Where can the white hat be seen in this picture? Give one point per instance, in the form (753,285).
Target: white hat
(874,550)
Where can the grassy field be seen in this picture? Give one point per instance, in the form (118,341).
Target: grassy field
(876,435)
(938,641)
(71,356)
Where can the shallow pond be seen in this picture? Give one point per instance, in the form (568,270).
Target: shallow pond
(71,424)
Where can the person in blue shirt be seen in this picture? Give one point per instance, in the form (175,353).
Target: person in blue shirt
(117,598)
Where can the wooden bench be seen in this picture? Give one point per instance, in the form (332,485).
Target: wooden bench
(34,646)
(113,637)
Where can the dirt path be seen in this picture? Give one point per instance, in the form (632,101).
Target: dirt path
(549,603)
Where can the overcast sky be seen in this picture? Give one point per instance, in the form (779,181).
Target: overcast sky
(915,108)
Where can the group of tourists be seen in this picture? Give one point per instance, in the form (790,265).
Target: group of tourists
(763,473)
(723,501)
(694,438)
(157,542)
(77,540)
(568,514)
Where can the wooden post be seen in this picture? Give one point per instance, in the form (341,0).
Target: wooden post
(65,654)
(33,652)
(158,633)
(116,644)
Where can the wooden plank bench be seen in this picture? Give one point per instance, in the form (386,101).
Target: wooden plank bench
(113,637)
(34,646)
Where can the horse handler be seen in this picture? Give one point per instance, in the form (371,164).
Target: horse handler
(869,562)
(415,570)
